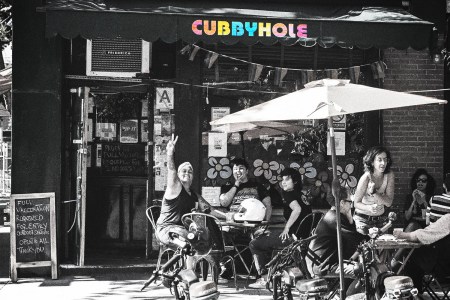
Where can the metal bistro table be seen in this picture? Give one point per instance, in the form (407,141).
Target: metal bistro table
(246,226)
(390,243)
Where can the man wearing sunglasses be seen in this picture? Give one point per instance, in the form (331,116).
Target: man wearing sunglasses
(434,256)
(322,254)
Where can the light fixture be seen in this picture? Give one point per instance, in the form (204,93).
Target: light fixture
(436,58)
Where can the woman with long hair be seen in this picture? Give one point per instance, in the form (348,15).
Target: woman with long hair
(375,190)
(422,189)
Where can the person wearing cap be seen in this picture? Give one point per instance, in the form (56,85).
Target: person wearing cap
(179,199)
(433,257)
(294,210)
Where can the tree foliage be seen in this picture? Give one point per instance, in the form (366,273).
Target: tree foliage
(5,22)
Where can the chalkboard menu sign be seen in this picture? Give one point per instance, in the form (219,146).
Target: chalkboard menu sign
(123,159)
(33,232)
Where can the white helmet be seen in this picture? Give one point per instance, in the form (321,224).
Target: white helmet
(251,210)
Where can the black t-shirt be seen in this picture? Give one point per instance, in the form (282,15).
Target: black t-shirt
(322,255)
(249,189)
(289,197)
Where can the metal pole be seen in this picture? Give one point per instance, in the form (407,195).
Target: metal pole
(335,190)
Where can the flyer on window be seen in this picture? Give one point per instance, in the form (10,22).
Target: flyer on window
(144,130)
(218,113)
(339,141)
(129,131)
(106,131)
(217,144)
(211,195)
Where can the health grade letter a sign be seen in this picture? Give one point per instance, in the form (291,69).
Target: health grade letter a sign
(164,98)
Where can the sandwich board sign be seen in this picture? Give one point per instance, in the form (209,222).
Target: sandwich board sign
(33,232)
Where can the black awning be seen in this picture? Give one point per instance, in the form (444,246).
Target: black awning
(249,23)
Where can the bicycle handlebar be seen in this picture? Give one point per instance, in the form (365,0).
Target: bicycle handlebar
(290,248)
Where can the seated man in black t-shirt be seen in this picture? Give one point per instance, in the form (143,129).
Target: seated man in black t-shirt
(322,254)
(232,196)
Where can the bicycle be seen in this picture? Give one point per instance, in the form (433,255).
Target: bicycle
(184,282)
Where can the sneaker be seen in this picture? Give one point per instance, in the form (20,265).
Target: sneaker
(222,280)
(225,273)
(260,283)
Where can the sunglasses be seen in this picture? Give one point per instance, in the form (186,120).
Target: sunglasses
(422,180)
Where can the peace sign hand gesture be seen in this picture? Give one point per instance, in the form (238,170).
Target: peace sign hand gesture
(170,148)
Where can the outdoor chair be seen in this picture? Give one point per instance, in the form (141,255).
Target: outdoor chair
(217,255)
(436,286)
(165,252)
(308,225)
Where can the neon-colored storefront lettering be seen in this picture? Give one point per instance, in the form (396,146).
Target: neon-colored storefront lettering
(250,29)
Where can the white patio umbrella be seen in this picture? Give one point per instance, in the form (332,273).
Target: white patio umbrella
(324,99)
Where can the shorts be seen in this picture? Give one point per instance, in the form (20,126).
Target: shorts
(364,222)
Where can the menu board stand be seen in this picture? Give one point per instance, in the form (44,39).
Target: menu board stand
(33,232)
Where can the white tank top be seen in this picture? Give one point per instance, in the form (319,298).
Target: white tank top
(369,200)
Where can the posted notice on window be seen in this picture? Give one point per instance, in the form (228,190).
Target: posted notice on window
(217,144)
(218,113)
(339,141)
(211,194)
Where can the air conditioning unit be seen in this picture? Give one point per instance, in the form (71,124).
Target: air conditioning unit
(117,57)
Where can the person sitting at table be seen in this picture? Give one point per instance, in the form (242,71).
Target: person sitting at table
(422,186)
(322,254)
(231,197)
(294,210)
(179,199)
(433,257)
(375,190)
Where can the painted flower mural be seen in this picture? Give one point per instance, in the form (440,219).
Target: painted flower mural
(345,177)
(269,170)
(219,168)
(306,170)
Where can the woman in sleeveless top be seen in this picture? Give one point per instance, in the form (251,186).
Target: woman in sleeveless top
(375,190)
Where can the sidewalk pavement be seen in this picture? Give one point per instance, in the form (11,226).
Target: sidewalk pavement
(124,285)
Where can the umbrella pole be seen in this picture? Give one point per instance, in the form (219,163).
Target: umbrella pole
(335,190)
(241,133)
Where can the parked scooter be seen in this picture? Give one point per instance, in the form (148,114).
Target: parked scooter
(184,282)
(373,279)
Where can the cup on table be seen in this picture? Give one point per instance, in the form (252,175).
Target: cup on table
(424,213)
(397,230)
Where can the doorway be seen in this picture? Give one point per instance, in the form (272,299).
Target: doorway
(109,177)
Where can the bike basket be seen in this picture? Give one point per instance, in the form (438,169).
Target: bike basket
(312,288)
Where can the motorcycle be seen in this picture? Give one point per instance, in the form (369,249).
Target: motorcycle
(184,282)
(286,268)
(374,281)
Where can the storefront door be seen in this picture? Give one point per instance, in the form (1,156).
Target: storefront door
(117,168)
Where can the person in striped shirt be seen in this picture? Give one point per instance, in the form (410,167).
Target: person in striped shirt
(434,256)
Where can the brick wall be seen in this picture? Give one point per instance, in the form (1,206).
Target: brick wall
(414,135)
